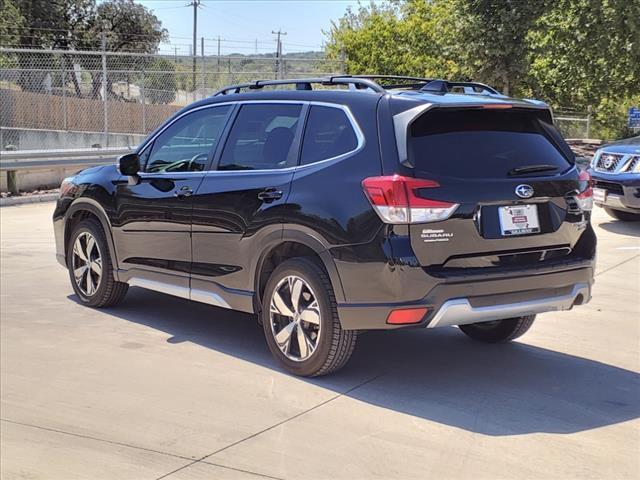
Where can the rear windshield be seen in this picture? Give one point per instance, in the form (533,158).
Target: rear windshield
(484,143)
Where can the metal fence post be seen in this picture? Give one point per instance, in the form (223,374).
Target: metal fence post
(104,90)
(12,182)
(64,95)
(144,103)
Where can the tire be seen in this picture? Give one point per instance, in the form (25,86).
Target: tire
(331,347)
(499,331)
(93,289)
(624,216)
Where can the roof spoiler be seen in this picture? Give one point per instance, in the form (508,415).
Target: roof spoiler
(445,86)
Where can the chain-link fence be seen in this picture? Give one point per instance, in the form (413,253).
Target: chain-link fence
(57,99)
(573,124)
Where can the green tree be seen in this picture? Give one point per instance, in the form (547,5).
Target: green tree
(80,25)
(492,39)
(53,23)
(128,26)
(584,51)
(369,39)
(570,53)
(11,22)
(46,24)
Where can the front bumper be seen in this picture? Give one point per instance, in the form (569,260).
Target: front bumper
(481,299)
(618,191)
(617,202)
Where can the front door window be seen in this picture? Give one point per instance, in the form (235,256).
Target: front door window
(186,145)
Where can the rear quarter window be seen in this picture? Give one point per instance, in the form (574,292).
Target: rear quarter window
(328,133)
(483,143)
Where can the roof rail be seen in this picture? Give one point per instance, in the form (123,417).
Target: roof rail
(391,77)
(305,84)
(363,82)
(402,81)
(445,86)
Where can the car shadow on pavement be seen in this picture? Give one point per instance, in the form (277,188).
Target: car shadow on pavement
(438,375)
(631,229)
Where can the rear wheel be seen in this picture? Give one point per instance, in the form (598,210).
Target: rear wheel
(624,216)
(499,330)
(300,320)
(90,266)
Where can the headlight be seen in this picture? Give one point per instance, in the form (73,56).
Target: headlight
(68,188)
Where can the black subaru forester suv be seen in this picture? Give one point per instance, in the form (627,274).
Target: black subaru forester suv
(335,205)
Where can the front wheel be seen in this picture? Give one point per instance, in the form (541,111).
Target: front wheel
(624,216)
(300,320)
(90,266)
(499,330)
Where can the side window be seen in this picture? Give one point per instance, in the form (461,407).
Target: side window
(262,137)
(328,134)
(186,144)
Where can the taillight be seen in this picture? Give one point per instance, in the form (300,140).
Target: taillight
(585,197)
(395,200)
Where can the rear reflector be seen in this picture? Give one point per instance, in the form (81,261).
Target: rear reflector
(395,200)
(406,316)
(585,197)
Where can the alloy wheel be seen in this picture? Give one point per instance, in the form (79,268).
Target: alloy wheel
(295,318)
(86,263)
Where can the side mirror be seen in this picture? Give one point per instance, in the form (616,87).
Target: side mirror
(129,164)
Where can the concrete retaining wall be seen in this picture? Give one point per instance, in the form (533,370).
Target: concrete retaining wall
(29,180)
(38,139)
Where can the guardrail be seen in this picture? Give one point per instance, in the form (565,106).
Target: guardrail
(37,159)
(30,161)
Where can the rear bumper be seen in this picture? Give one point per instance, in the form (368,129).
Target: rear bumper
(461,312)
(477,300)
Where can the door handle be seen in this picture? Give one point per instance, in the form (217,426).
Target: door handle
(183,192)
(270,194)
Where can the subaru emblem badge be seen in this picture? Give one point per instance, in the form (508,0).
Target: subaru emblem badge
(524,191)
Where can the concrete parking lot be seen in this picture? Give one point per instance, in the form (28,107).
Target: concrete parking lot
(163,388)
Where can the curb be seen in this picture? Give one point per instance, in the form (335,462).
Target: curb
(22,200)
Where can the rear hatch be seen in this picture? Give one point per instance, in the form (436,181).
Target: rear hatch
(515,183)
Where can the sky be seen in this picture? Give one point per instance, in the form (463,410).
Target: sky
(241,22)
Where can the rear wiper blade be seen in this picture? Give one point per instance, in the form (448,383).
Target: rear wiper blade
(531,169)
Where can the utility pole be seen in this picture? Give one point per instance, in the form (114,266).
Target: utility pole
(195,4)
(256,46)
(218,49)
(204,85)
(278,52)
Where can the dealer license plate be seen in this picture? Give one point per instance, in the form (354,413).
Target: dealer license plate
(519,220)
(599,195)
